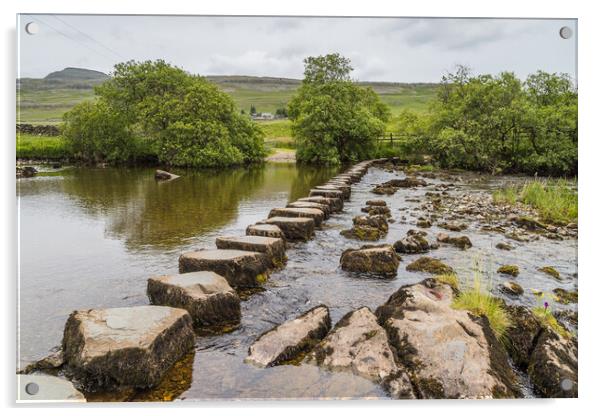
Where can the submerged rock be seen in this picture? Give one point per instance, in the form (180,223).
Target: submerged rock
(423,223)
(206,296)
(359,345)
(504,246)
(550,271)
(429,265)
(512,288)
(240,268)
(553,366)
(447,353)
(49,389)
(368,228)
(377,259)
(414,242)
(509,269)
(119,347)
(301,228)
(462,242)
(26,171)
(265,230)
(316,214)
(286,341)
(377,210)
(565,297)
(376,203)
(453,225)
(274,248)
(164,176)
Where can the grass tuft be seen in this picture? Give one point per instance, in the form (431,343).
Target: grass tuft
(450,279)
(545,318)
(41,147)
(479,301)
(555,200)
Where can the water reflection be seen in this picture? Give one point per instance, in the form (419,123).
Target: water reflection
(91,237)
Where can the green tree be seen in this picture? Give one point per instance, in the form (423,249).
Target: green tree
(334,120)
(499,123)
(183,118)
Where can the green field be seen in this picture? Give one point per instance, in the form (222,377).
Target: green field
(44,101)
(40,101)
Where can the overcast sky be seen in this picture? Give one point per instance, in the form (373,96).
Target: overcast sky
(381,49)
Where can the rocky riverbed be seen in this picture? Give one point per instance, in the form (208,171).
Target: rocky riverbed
(434,214)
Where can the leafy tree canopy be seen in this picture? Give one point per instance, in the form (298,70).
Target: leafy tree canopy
(334,120)
(499,123)
(186,120)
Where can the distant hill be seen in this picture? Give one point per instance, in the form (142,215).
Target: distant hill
(78,74)
(44,100)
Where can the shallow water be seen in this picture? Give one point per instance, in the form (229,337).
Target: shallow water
(91,238)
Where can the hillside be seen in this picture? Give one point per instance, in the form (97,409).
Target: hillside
(45,100)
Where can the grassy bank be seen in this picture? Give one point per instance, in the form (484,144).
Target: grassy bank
(41,147)
(554,200)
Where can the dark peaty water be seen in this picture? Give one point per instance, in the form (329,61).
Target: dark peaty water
(91,237)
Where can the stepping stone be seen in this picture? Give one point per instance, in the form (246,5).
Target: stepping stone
(206,296)
(265,230)
(345,189)
(289,339)
(328,193)
(49,389)
(336,204)
(359,345)
(125,347)
(274,248)
(376,259)
(300,228)
(313,213)
(240,268)
(322,207)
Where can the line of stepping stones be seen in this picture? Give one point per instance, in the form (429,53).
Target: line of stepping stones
(134,346)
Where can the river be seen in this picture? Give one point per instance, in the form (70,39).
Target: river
(89,238)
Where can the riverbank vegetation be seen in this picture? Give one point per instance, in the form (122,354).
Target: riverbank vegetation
(41,147)
(334,120)
(498,124)
(153,108)
(556,201)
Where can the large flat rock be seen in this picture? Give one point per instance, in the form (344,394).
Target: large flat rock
(448,353)
(375,259)
(274,248)
(43,388)
(265,230)
(301,228)
(291,338)
(345,189)
(322,207)
(336,204)
(242,269)
(328,193)
(120,347)
(207,297)
(315,214)
(359,345)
